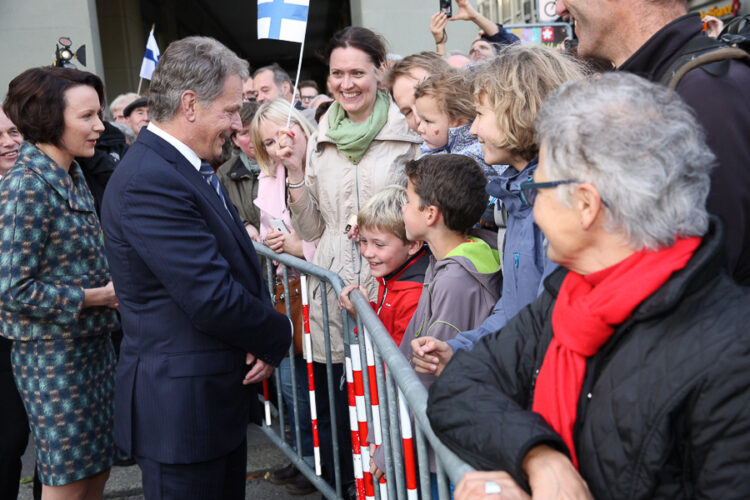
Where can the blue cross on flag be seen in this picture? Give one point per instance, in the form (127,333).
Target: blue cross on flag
(150,58)
(283,19)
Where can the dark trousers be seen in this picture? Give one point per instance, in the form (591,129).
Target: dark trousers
(341,407)
(14,431)
(219,479)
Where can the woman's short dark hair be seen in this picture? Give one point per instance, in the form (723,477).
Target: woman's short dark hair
(36,103)
(360,38)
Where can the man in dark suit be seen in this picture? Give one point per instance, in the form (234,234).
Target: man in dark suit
(199,327)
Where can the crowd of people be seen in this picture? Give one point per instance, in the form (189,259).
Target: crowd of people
(557,242)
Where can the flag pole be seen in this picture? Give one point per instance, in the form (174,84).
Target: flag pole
(296,79)
(140,82)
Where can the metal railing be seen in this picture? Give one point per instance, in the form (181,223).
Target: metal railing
(386,409)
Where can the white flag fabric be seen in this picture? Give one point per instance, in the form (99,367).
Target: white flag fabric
(283,19)
(150,58)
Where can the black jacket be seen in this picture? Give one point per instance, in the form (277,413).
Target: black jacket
(722,106)
(664,410)
(110,148)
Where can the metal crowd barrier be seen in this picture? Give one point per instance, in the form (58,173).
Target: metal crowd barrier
(387,403)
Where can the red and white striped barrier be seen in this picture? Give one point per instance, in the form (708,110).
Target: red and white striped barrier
(406,436)
(377,434)
(266,403)
(359,399)
(310,377)
(354,428)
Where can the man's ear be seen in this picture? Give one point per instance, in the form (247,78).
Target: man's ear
(188,104)
(286,89)
(414,246)
(588,203)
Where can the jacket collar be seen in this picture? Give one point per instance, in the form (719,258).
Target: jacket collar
(507,187)
(188,171)
(415,266)
(705,264)
(395,129)
(654,57)
(70,185)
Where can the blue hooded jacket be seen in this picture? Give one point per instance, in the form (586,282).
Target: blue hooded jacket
(525,262)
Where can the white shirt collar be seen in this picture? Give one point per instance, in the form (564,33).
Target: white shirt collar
(180,146)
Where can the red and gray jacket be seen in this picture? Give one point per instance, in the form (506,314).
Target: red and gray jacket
(398,294)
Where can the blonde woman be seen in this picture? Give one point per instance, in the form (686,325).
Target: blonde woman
(276,147)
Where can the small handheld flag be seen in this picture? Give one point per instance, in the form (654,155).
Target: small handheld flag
(151,57)
(283,19)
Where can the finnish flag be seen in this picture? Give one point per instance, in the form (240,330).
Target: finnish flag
(283,19)
(150,58)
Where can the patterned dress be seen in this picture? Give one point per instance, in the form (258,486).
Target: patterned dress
(63,361)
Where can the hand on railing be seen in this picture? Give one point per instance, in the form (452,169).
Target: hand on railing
(374,470)
(492,485)
(346,304)
(430,355)
(552,475)
(259,370)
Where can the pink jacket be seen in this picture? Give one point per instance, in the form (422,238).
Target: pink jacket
(272,203)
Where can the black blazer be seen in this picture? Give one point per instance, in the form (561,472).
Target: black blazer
(193,302)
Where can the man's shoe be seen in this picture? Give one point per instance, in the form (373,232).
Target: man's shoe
(284,475)
(300,485)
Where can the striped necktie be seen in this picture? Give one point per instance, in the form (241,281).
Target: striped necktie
(208,174)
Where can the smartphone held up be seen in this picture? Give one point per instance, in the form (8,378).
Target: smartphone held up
(445,7)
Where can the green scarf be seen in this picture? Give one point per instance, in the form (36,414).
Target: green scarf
(353,139)
(250,164)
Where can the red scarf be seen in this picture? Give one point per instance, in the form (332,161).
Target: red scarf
(587,310)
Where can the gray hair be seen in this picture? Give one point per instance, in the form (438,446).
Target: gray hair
(196,63)
(123,100)
(279,75)
(642,148)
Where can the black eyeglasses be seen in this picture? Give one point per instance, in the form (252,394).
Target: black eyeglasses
(529,189)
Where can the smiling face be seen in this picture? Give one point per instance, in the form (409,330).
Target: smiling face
(485,128)
(216,122)
(403,95)
(433,123)
(273,141)
(10,140)
(385,252)
(244,141)
(596,25)
(82,123)
(353,81)
(266,88)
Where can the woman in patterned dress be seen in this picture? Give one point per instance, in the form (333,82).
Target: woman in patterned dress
(56,298)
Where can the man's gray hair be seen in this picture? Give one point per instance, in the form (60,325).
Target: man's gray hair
(279,75)
(196,63)
(642,148)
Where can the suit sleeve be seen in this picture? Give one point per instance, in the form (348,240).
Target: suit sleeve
(478,406)
(25,216)
(168,231)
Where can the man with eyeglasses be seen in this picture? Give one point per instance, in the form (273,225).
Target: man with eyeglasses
(308,90)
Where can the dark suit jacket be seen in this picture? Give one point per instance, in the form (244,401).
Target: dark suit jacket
(192,301)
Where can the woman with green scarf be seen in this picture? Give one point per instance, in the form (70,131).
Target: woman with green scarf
(361,146)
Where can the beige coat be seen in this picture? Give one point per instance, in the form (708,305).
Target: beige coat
(335,191)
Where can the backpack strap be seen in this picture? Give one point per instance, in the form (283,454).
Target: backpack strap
(686,63)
